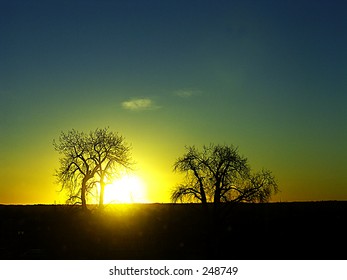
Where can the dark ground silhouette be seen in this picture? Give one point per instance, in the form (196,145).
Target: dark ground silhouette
(296,230)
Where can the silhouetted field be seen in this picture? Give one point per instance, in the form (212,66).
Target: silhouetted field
(296,230)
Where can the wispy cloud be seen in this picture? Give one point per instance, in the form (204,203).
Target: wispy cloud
(186,93)
(139,104)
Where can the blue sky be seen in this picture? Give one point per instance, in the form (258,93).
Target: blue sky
(266,76)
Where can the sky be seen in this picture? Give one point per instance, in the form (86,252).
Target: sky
(268,77)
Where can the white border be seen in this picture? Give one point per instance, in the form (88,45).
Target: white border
(100,269)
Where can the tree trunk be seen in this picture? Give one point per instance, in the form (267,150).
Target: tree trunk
(203,195)
(102,191)
(84,189)
(83,194)
(216,202)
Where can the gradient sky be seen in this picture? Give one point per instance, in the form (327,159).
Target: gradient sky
(267,76)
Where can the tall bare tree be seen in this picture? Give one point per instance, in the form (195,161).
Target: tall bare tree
(218,173)
(88,159)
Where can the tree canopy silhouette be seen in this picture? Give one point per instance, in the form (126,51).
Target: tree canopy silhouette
(219,174)
(89,160)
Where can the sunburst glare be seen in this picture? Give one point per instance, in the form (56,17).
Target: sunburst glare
(127,189)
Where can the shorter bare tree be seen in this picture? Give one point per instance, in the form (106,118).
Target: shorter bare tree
(219,174)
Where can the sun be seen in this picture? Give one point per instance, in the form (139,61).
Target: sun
(127,189)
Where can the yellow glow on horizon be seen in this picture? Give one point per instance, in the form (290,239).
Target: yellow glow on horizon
(127,189)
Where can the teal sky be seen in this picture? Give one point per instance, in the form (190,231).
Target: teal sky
(266,76)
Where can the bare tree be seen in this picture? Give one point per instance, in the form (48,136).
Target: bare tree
(218,173)
(88,159)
